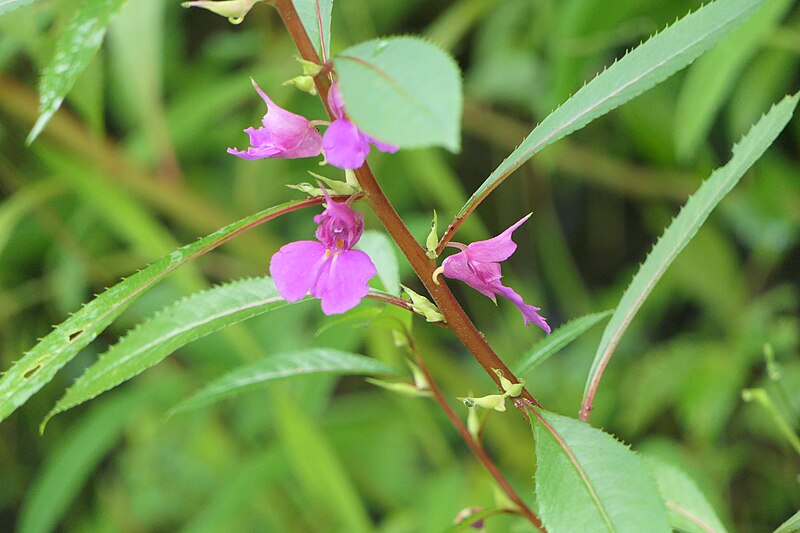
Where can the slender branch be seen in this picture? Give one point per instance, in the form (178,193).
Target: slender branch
(456,318)
(477,449)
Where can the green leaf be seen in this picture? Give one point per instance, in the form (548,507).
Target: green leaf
(38,366)
(554,342)
(7,6)
(790,526)
(381,250)
(688,509)
(283,366)
(75,458)
(403,91)
(177,325)
(74,50)
(316,18)
(587,481)
(710,80)
(681,231)
(641,69)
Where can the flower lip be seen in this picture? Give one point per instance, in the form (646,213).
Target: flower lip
(340,226)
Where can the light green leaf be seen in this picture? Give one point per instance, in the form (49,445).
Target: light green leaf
(587,481)
(316,18)
(646,66)
(75,457)
(681,231)
(179,324)
(381,250)
(790,526)
(283,366)
(710,80)
(402,91)
(74,50)
(688,509)
(554,342)
(422,306)
(7,6)
(38,366)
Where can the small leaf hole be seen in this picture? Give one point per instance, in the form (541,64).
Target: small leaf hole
(32,371)
(74,335)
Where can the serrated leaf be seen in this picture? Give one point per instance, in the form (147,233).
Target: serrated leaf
(710,80)
(175,326)
(641,69)
(790,526)
(316,18)
(37,367)
(7,6)
(557,340)
(381,250)
(589,482)
(283,366)
(687,507)
(75,48)
(682,229)
(402,91)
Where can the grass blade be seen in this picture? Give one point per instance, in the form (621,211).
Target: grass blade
(681,231)
(554,342)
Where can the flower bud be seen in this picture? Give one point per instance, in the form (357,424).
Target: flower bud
(234,10)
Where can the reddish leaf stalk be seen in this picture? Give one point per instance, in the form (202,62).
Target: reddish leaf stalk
(477,449)
(457,319)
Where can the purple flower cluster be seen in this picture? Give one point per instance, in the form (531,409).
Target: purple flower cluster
(286,135)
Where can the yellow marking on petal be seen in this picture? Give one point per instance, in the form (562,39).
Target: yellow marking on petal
(339,243)
(327,253)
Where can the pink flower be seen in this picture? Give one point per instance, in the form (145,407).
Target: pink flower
(346,146)
(283,135)
(478,265)
(328,268)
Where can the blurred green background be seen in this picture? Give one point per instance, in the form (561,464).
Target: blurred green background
(135,165)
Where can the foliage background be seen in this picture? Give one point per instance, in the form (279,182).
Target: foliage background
(136,165)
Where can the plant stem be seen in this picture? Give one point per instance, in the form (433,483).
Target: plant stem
(457,319)
(476,448)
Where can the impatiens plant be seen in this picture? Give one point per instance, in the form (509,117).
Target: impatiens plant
(400,94)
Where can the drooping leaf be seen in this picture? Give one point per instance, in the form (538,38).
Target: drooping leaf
(76,456)
(587,481)
(688,509)
(381,250)
(75,48)
(179,324)
(284,366)
(558,339)
(710,80)
(647,65)
(681,231)
(403,91)
(316,18)
(7,6)
(40,364)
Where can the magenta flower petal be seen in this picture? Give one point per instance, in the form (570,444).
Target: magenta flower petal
(283,135)
(345,282)
(497,248)
(478,265)
(477,276)
(529,312)
(344,146)
(336,100)
(383,147)
(296,267)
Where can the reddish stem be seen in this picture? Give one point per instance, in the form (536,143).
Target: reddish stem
(456,318)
